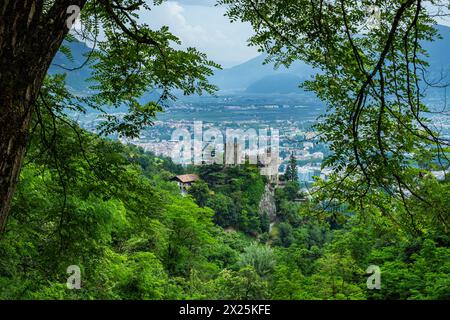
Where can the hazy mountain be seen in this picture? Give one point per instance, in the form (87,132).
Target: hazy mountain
(76,79)
(80,71)
(438,50)
(275,83)
(253,76)
(254,72)
(439,56)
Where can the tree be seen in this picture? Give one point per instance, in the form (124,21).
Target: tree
(259,257)
(131,60)
(287,284)
(201,193)
(244,284)
(225,214)
(292,190)
(190,231)
(285,234)
(372,80)
(291,169)
(145,277)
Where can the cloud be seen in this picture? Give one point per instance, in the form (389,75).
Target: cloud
(204,27)
(207,3)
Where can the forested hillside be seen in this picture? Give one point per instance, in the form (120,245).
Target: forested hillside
(112,210)
(75,200)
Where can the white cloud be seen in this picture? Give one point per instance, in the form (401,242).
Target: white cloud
(204,27)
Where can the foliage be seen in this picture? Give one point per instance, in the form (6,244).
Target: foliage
(200,192)
(372,79)
(291,169)
(261,258)
(110,208)
(237,191)
(135,237)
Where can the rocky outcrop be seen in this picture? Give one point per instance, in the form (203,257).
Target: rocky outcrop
(267,204)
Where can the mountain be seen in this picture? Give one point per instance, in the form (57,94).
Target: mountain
(241,77)
(253,76)
(438,50)
(75,79)
(79,71)
(439,60)
(282,83)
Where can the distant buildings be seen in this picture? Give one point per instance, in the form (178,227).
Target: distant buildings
(307,173)
(295,136)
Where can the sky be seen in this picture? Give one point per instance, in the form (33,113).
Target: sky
(200,24)
(203,25)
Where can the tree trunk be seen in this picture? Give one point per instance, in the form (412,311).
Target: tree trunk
(29,39)
(13,140)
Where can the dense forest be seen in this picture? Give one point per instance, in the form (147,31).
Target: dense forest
(72,198)
(112,210)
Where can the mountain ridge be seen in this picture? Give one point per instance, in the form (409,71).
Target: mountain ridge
(253,76)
